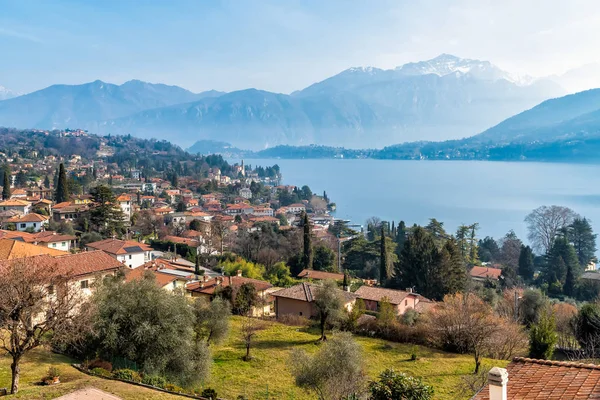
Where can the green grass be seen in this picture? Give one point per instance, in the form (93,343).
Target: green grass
(268,370)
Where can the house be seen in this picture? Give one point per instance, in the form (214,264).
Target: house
(526,378)
(133,254)
(21,206)
(124,201)
(299,300)
(207,288)
(245,193)
(165,275)
(401,300)
(239,209)
(81,199)
(55,240)
(14,248)
(296,208)
(69,211)
(28,222)
(481,274)
(320,275)
(263,212)
(18,194)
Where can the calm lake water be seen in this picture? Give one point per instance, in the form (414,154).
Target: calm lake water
(498,195)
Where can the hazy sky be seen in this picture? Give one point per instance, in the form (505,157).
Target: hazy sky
(280,45)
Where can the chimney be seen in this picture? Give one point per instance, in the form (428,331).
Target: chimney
(409,290)
(497,380)
(201,285)
(231,281)
(205,278)
(239,272)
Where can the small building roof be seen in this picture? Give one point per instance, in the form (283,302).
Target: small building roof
(542,379)
(306,292)
(14,203)
(116,246)
(211,285)
(12,249)
(320,275)
(485,272)
(31,217)
(374,293)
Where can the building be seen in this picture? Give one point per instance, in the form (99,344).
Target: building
(482,274)
(207,288)
(526,378)
(165,275)
(28,222)
(245,193)
(320,275)
(21,206)
(55,240)
(401,300)
(263,212)
(239,209)
(296,208)
(299,300)
(15,248)
(69,211)
(132,254)
(124,201)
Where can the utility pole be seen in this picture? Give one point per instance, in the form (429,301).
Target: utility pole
(340,253)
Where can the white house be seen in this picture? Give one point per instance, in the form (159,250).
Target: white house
(29,222)
(133,254)
(21,206)
(125,204)
(245,193)
(55,240)
(296,208)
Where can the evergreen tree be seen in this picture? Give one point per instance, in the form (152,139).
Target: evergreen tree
(473,254)
(526,265)
(452,271)
(418,264)
(55,179)
(21,179)
(569,286)
(488,249)
(400,236)
(6,185)
(560,258)
(583,238)
(436,229)
(174,179)
(383,259)
(106,217)
(543,337)
(46,182)
(62,188)
(307,253)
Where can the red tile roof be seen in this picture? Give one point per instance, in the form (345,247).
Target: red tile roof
(320,275)
(116,246)
(540,379)
(211,285)
(32,217)
(306,292)
(377,293)
(485,272)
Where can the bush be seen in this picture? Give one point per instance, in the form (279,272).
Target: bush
(173,388)
(410,317)
(209,393)
(98,363)
(53,372)
(293,320)
(395,385)
(543,337)
(154,380)
(127,375)
(101,372)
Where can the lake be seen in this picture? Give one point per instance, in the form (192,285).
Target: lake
(497,195)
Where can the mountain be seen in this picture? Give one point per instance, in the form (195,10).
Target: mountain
(574,115)
(64,106)
(580,78)
(443,98)
(7,93)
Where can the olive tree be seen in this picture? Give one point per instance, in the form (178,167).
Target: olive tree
(329,305)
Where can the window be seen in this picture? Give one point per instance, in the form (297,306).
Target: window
(53,244)
(405,303)
(51,289)
(300,313)
(63,243)
(23,225)
(85,284)
(130,256)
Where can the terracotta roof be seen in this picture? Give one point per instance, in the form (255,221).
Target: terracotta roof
(17,235)
(51,237)
(31,217)
(180,240)
(11,249)
(377,293)
(87,262)
(209,286)
(541,379)
(485,272)
(124,197)
(14,203)
(116,246)
(306,292)
(63,204)
(160,278)
(321,275)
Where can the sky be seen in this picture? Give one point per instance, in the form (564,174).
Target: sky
(280,45)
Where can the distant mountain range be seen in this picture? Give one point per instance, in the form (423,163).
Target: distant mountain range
(443,98)
(566,129)
(6,93)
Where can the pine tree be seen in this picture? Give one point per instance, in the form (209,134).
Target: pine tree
(174,179)
(383,259)
(106,217)
(62,188)
(452,271)
(400,236)
(526,266)
(560,258)
(583,238)
(46,182)
(197,265)
(6,185)
(569,286)
(418,263)
(473,255)
(437,231)
(307,254)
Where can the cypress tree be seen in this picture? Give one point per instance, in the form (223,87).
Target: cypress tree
(62,189)
(197,266)
(6,184)
(583,238)
(383,259)
(452,275)
(569,286)
(46,182)
(307,256)
(526,266)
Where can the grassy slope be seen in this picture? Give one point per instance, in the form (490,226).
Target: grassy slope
(231,376)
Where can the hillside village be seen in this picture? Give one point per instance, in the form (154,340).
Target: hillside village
(138,230)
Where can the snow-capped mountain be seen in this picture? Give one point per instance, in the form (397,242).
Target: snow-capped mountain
(7,93)
(446,64)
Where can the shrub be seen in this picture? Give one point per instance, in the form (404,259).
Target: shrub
(543,337)
(98,363)
(173,388)
(53,372)
(154,380)
(294,320)
(413,353)
(127,375)
(209,393)
(395,385)
(410,317)
(101,372)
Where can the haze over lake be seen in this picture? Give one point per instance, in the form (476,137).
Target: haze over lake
(498,195)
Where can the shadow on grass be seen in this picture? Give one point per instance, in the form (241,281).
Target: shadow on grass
(281,344)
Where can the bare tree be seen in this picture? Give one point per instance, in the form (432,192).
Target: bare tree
(545,223)
(38,304)
(218,233)
(249,329)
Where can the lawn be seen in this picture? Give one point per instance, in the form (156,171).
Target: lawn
(268,374)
